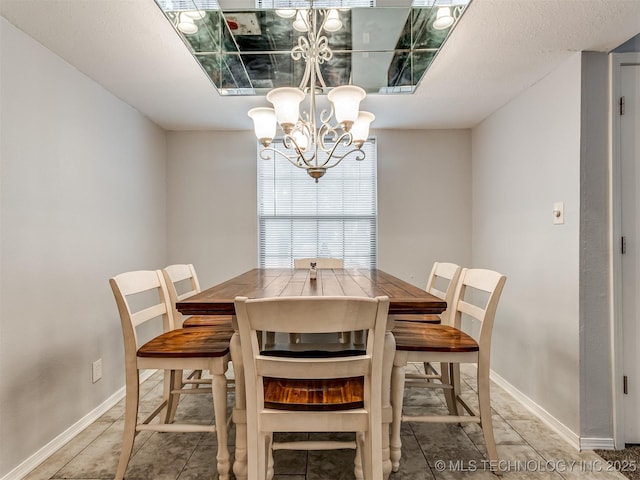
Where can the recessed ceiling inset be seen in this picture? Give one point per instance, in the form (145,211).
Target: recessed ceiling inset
(384,50)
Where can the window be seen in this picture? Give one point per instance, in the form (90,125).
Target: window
(336,217)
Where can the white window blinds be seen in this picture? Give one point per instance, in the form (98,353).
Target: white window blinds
(336,217)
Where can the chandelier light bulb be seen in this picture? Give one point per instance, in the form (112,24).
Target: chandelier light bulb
(444,19)
(286,12)
(187,25)
(346,103)
(286,103)
(360,129)
(264,124)
(300,23)
(333,22)
(301,139)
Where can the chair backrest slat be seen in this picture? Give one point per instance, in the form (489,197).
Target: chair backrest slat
(313,315)
(180,273)
(320,262)
(305,368)
(486,281)
(140,282)
(438,293)
(306,315)
(471,309)
(450,272)
(147,314)
(480,279)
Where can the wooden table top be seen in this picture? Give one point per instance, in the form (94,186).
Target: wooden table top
(404,298)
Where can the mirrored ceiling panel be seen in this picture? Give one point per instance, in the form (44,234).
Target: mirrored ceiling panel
(384,50)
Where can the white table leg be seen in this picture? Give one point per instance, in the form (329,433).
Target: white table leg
(219,388)
(397,394)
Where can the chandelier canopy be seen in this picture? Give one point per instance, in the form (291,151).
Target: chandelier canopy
(312,139)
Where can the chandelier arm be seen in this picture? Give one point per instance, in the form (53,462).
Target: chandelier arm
(327,130)
(324,51)
(298,161)
(324,118)
(360,155)
(290,143)
(302,51)
(337,138)
(323,54)
(345,139)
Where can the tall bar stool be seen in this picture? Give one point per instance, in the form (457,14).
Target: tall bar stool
(442,283)
(301,391)
(182,282)
(177,349)
(449,344)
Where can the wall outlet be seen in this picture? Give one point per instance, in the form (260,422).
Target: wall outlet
(97,370)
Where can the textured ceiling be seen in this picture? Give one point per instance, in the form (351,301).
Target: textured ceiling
(499,48)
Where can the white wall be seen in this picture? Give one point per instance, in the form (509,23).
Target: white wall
(423,201)
(90,188)
(424,198)
(83,197)
(212,203)
(526,156)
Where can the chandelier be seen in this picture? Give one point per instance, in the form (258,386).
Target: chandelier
(312,142)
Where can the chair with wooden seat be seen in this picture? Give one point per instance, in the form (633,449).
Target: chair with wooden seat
(419,342)
(442,283)
(141,297)
(182,282)
(311,391)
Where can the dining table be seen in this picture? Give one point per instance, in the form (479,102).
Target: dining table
(404,298)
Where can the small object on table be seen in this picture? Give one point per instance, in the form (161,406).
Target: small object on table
(313,272)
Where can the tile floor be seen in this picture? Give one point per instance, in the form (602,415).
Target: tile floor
(527,447)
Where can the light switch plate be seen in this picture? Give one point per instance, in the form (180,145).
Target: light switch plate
(558,213)
(96,370)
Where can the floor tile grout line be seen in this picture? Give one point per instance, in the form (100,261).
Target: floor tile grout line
(508,421)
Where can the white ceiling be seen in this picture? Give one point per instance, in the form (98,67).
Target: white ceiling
(499,48)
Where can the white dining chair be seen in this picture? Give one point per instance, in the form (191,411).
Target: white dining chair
(304,391)
(142,297)
(420,342)
(442,283)
(182,282)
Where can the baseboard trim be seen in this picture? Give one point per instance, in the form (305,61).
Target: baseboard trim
(537,410)
(597,443)
(54,445)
